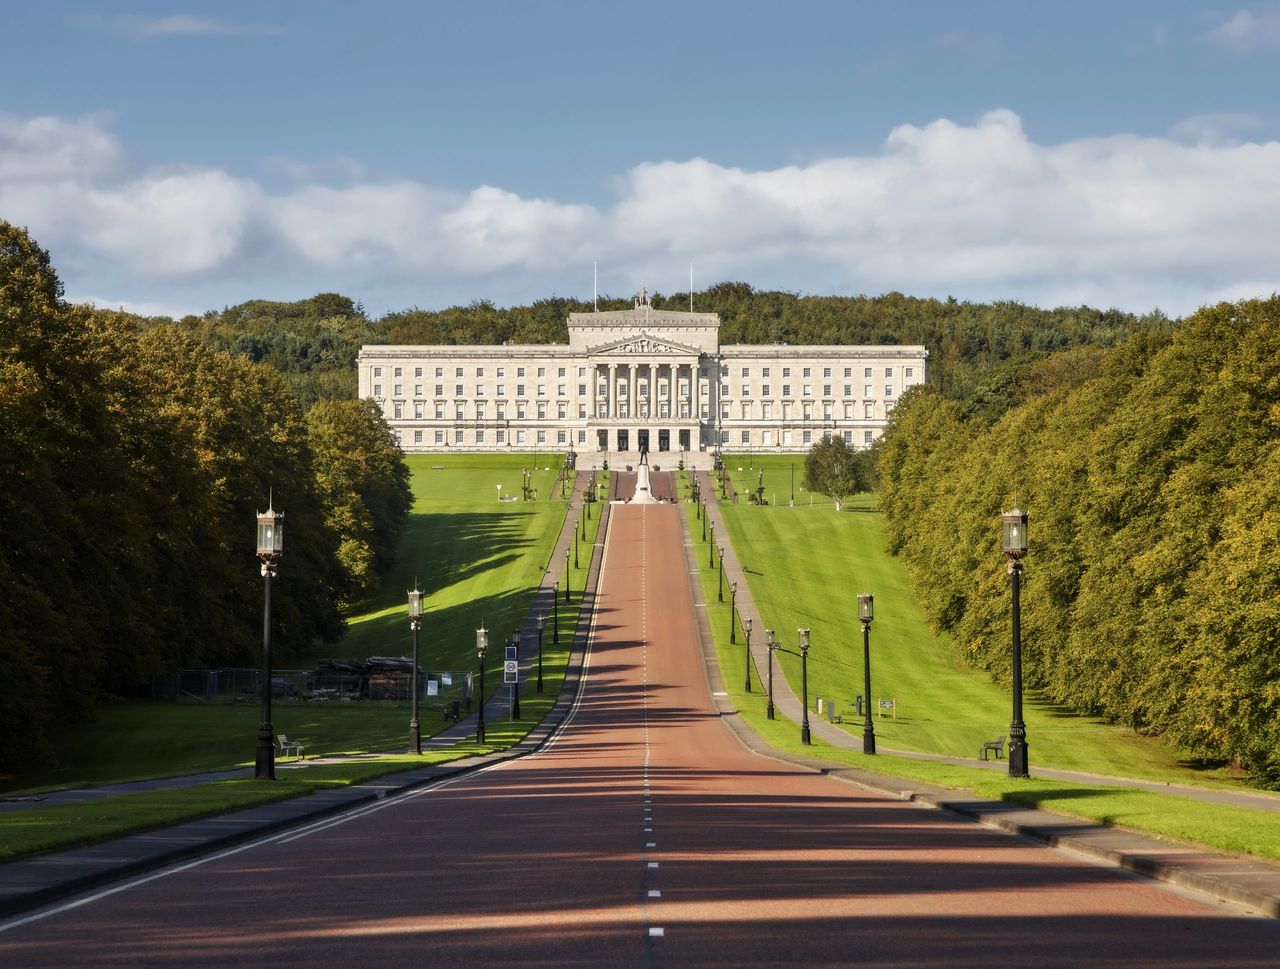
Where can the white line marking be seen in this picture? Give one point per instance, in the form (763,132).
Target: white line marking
(653,864)
(657,933)
(654,893)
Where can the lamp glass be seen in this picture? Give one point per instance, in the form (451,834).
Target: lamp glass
(415,604)
(482,642)
(1013,529)
(866,607)
(270,533)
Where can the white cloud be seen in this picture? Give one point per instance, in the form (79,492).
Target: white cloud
(1249,31)
(977,210)
(173,310)
(139,27)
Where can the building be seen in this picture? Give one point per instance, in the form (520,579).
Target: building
(636,379)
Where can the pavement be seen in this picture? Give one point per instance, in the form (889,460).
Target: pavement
(28,883)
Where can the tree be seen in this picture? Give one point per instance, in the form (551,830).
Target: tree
(834,469)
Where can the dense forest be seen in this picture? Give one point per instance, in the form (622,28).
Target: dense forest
(1151,475)
(133,458)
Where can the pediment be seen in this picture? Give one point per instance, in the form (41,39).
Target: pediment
(645,344)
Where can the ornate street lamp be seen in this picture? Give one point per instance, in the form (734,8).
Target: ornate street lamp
(270,546)
(415,623)
(746,628)
(866,610)
(515,686)
(712,550)
(575,548)
(804,683)
(720,580)
(733,609)
(772,646)
(555,614)
(542,621)
(1013,531)
(566,574)
(482,647)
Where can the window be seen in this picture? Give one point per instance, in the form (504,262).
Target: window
(561,437)
(826,390)
(439,372)
(561,390)
(377,390)
(439,413)
(439,437)
(911,372)
(479,390)
(502,390)
(458,413)
(519,390)
(542,437)
(888,390)
(746,390)
(826,412)
(479,371)
(542,390)
(868,391)
(479,412)
(519,437)
(866,372)
(417,411)
(746,437)
(560,372)
(848,412)
(764,372)
(542,371)
(399,411)
(542,411)
(724,390)
(724,371)
(500,436)
(806,373)
(768,410)
(582,390)
(868,410)
(746,372)
(826,373)
(399,390)
(808,390)
(786,372)
(457,390)
(520,372)
(582,411)
(479,437)
(457,372)
(582,371)
(765,390)
(808,411)
(417,390)
(399,372)
(377,371)
(808,437)
(417,373)
(866,437)
(786,411)
(502,411)
(786,438)
(502,371)
(439,390)
(848,372)
(457,437)
(562,411)
(888,371)
(519,412)
(848,437)
(746,410)
(848,390)
(724,412)
(582,437)
(786,390)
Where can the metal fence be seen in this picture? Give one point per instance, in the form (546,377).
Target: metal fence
(245,685)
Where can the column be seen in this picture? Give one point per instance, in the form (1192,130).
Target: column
(611,392)
(653,390)
(633,384)
(593,388)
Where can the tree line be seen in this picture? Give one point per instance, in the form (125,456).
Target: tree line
(1151,475)
(133,458)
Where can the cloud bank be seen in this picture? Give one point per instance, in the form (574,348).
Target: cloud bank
(977,210)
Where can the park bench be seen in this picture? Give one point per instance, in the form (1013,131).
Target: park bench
(451,710)
(996,746)
(287,745)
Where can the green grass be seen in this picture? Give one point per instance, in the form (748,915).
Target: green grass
(479,561)
(1224,827)
(806,566)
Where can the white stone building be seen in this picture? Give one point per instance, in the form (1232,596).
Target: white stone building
(636,379)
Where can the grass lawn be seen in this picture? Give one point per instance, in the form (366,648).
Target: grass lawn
(806,565)
(479,561)
(1244,830)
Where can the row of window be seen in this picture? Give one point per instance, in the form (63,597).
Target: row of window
(442,438)
(397,390)
(807,372)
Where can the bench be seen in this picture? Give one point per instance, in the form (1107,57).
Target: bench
(287,745)
(993,746)
(452,710)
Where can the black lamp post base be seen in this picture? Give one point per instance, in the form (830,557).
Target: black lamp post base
(769,711)
(1018,759)
(804,734)
(868,740)
(415,737)
(264,768)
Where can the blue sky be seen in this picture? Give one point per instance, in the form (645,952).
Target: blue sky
(180,157)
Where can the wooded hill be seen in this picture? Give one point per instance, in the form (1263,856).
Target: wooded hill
(133,459)
(1151,475)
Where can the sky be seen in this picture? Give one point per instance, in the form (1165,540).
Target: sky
(182,157)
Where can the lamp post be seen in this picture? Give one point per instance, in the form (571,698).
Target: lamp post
(793,483)
(542,621)
(772,646)
(733,608)
(720,581)
(566,575)
(702,508)
(866,605)
(712,550)
(482,646)
(270,546)
(575,548)
(746,628)
(1014,545)
(555,614)
(415,623)
(804,683)
(515,686)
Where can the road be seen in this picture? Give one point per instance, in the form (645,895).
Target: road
(644,836)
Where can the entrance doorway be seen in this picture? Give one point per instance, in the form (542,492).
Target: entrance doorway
(623,441)
(602,440)
(664,440)
(684,440)
(642,440)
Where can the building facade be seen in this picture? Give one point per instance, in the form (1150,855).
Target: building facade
(638,379)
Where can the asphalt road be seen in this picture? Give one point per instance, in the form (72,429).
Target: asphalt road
(645,835)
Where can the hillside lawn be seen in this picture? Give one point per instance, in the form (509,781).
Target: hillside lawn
(479,561)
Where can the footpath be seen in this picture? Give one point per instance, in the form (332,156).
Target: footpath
(30,882)
(1234,878)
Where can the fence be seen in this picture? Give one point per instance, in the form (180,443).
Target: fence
(245,685)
